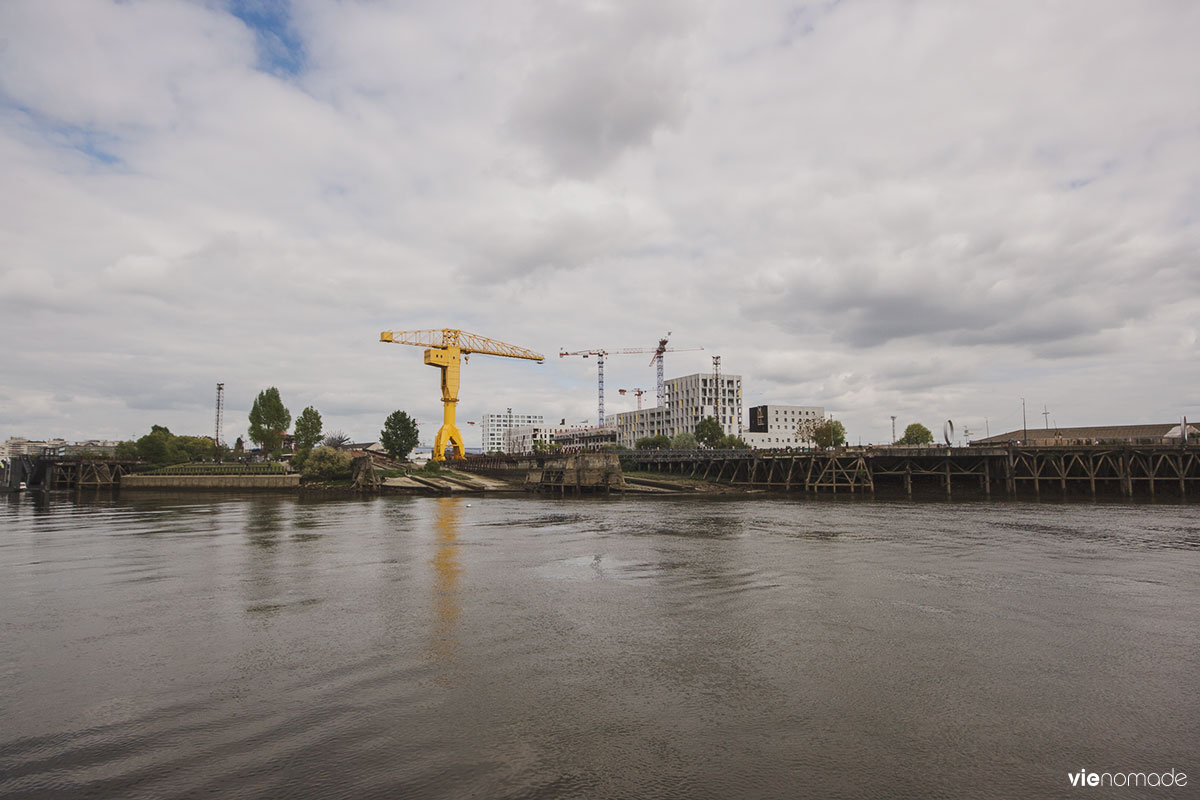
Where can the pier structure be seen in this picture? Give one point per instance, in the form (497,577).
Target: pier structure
(81,473)
(63,472)
(1014,471)
(556,473)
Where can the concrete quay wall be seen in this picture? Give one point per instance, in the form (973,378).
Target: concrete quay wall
(212,482)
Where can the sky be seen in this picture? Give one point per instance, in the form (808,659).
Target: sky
(931,210)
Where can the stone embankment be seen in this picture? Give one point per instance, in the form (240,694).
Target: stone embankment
(279,482)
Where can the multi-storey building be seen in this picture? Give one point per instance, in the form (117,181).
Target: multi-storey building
(520,441)
(495,425)
(773,426)
(585,438)
(20,446)
(688,400)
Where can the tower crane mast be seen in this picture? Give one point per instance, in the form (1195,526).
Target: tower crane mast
(658,357)
(445,349)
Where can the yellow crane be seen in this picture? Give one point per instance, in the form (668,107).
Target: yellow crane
(443,350)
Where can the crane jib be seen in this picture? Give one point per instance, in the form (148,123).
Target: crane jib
(467,343)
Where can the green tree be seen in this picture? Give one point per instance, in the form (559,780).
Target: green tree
(155,446)
(830,433)
(709,432)
(127,451)
(685,441)
(399,435)
(196,448)
(269,420)
(239,446)
(162,448)
(659,442)
(327,464)
(916,433)
(308,430)
(731,442)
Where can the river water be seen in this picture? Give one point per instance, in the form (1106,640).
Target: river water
(238,647)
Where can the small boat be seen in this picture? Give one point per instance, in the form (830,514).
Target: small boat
(21,486)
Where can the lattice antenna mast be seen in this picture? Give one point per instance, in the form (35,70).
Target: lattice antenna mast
(220,408)
(717,386)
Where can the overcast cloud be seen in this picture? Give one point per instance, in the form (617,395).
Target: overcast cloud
(926,209)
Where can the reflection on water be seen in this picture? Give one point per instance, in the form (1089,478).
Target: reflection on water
(263,518)
(447,569)
(184,646)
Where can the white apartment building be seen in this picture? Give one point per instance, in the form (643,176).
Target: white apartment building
(20,446)
(585,438)
(495,425)
(774,426)
(519,441)
(688,400)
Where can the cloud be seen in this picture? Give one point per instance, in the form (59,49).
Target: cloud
(611,76)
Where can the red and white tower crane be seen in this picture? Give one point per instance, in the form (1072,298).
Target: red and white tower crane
(637,393)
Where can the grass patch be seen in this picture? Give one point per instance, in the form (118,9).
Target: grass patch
(390,473)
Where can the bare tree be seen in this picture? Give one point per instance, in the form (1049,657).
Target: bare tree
(806,429)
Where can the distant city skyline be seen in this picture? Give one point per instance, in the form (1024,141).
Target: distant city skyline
(924,210)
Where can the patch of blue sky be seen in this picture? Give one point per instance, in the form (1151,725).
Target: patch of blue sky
(100,147)
(801,20)
(280,49)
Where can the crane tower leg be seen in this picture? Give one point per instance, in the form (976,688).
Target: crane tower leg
(448,361)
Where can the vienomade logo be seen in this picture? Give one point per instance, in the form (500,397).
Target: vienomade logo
(1086,778)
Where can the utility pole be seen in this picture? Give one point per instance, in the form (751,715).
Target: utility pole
(893,428)
(1046,415)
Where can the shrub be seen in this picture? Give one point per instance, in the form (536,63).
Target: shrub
(327,464)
